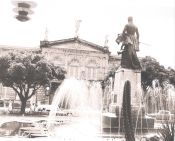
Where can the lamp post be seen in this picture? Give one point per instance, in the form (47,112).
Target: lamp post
(47,92)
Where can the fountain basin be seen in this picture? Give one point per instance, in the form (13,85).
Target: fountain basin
(112,122)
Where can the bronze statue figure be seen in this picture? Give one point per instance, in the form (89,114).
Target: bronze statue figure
(130,44)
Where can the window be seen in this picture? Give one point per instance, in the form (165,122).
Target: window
(1,103)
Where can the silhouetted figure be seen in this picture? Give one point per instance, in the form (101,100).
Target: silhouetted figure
(130,44)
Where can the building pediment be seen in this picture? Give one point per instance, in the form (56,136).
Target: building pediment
(74,44)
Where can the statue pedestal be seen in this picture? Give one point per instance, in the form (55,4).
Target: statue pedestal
(113,120)
(134,76)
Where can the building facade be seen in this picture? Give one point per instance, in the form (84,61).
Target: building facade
(81,59)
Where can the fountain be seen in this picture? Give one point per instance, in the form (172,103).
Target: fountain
(160,97)
(82,98)
(127,110)
(113,119)
(85,98)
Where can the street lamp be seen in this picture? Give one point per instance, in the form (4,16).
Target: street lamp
(47,90)
(47,93)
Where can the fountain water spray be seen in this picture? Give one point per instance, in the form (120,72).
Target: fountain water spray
(82,98)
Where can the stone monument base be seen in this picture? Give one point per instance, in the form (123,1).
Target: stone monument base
(134,77)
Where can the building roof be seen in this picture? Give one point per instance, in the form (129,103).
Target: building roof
(47,44)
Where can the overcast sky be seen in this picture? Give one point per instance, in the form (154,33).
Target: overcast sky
(154,18)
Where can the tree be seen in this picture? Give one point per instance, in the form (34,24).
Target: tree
(156,94)
(171,74)
(26,72)
(110,74)
(151,70)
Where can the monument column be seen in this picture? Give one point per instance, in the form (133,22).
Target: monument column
(134,76)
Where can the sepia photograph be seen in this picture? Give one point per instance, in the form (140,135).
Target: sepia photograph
(87,70)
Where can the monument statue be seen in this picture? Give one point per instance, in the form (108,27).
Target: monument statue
(127,97)
(130,44)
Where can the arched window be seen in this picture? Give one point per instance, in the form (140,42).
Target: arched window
(92,70)
(73,68)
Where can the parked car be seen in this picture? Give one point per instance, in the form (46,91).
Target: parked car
(64,112)
(162,115)
(44,108)
(67,112)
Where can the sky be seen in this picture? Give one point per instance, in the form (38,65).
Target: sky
(99,18)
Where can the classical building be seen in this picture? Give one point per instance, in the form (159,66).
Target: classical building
(81,59)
